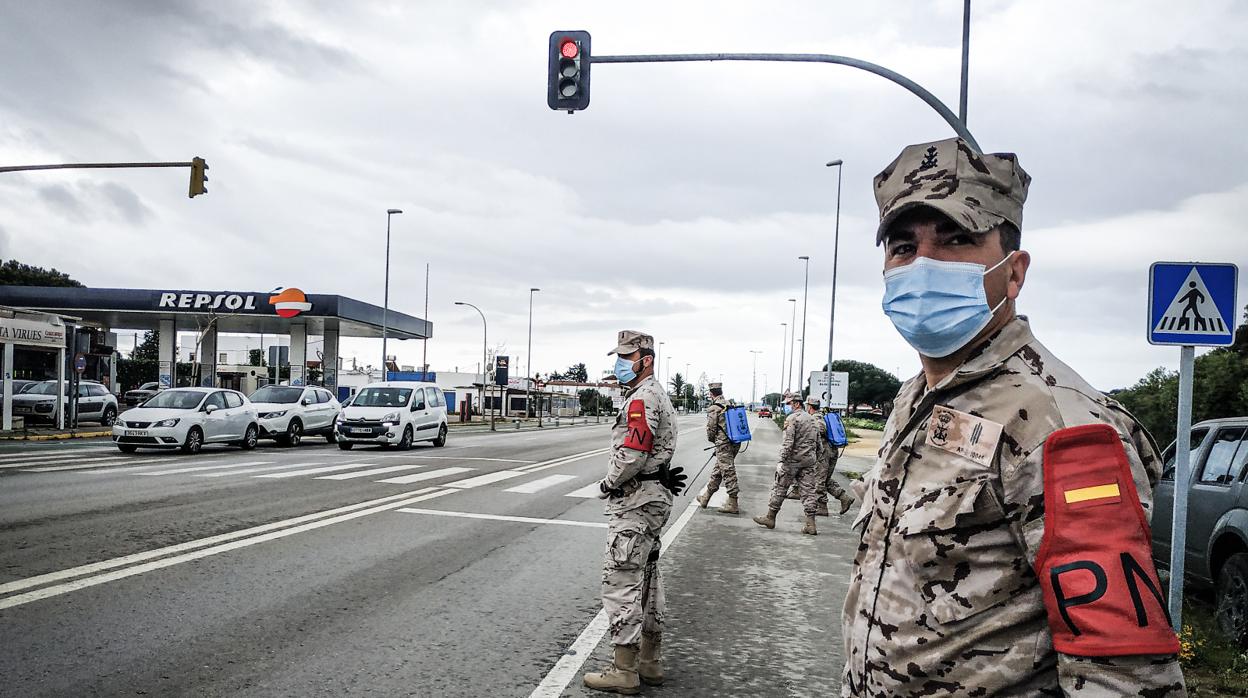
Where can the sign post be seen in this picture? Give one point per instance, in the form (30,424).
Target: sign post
(1190,304)
(832,387)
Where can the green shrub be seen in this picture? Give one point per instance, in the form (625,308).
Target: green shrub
(863,423)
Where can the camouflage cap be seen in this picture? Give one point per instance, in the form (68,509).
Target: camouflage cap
(813,401)
(715,386)
(630,341)
(977,191)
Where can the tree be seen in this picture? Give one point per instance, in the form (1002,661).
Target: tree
(14,273)
(149,348)
(255,357)
(578,373)
(868,384)
(678,386)
(594,402)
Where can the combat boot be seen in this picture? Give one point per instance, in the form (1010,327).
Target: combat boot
(730,506)
(768,521)
(846,502)
(810,526)
(621,676)
(704,499)
(650,664)
(822,510)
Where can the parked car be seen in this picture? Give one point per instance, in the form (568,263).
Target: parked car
(141,393)
(95,402)
(1217,519)
(19,386)
(286,413)
(394,413)
(188,418)
(764,412)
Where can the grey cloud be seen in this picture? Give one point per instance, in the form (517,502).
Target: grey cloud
(125,202)
(63,202)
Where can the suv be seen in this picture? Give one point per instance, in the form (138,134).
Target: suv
(287,412)
(140,394)
(393,413)
(95,402)
(1217,518)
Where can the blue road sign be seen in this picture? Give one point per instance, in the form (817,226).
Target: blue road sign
(1192,303)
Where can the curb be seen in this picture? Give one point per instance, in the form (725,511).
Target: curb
(58,437)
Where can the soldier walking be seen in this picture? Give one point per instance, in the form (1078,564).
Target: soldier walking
(826,455)
(725,470)
(797,464)
(638,488)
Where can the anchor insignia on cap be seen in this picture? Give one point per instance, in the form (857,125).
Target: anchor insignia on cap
(929,160)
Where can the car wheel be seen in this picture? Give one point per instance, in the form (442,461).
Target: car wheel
(194,441)
(127,448)
(331,436)
(406,443)
(250,438)
(110,416)
(345,445)
(441,440)
(1232,599)
(294,433)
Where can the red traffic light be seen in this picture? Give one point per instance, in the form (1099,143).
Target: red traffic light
(569,49)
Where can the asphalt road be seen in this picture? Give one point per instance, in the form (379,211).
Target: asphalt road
(468,570)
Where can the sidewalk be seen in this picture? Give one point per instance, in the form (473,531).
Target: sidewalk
(53,434)
(751,611)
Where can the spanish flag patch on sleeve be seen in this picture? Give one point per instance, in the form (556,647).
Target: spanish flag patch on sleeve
(639,437)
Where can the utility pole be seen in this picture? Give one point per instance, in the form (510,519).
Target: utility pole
(385,307)
(754,378)
(801,362)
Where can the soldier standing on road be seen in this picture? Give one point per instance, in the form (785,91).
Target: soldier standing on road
(826,455)
(726,450)
(1005,541)
(638,488)
(797,463)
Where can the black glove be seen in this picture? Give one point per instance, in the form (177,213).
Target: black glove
(674,480)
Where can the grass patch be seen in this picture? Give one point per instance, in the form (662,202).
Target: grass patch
(863,423)
(1212,664)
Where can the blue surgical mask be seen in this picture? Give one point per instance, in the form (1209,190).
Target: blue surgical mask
(624,370)
(788,409)
(938,307)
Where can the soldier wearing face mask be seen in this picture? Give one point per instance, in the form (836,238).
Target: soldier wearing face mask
(1005,544)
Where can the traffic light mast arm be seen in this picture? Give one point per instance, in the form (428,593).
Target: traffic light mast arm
(92,165)
(952,119)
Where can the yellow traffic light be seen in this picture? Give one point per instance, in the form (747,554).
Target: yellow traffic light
(199,176)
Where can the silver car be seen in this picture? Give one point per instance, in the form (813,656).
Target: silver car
(95,402)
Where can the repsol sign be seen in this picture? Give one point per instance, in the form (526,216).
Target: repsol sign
(172,300)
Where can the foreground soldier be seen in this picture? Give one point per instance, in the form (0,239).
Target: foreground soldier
(725,469)
(1005,542)
(638,489)
(797,464)
(826,456)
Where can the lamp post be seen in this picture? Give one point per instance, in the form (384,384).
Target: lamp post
(801,356)
(836,246)
(385,307)
(685,396)
(528,384)
(784,347)
(485,343)
(754,378)
(788,384)
(658,363)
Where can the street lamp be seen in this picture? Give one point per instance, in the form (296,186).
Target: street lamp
(784,346)
(685,397)
(801,357)
(385,307)
(836,245)
(788,384)
(484,353)
(528,389)
(754,378)
(658,363)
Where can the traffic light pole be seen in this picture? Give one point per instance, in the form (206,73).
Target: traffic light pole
(116,165)
(916,89)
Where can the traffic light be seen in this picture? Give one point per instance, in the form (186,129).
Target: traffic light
(199,175)
(567,83)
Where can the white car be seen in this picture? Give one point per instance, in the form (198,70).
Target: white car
(287,413)
(95,403)
(188,418)
(397,413)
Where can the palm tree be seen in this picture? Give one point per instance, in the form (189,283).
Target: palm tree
(678,386)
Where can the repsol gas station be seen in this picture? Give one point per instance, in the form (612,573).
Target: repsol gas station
(95,312)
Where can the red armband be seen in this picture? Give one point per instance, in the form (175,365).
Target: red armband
(639,437)
(1095,561)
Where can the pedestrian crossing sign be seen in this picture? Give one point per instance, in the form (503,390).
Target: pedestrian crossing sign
(1192,303)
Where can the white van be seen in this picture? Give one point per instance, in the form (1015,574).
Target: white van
(393,413)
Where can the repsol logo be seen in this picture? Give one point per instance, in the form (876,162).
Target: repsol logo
(207,301)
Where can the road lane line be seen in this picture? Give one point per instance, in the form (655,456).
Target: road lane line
(491,460)
(198,468)
(538,485)
(86,582)
(486,479)
(499,517)
(587,492)
(5,461)
(374,471)
(94,567)
(562,460)
(128,460)
(60,460)
(264,469)
(569,665)
(318,471)
(421,477)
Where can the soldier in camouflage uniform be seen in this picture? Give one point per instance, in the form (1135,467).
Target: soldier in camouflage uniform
(826,456)
(997,463)
(797,464)
(725,469)
(638,503)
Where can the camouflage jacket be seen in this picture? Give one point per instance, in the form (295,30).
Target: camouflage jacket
(800,440)
(634,454)
(943,598)
(716,427)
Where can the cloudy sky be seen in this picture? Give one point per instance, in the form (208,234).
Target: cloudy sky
(677,203)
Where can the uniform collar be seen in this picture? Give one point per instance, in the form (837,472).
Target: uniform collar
(637,387)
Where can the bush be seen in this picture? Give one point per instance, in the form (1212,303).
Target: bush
(1212,664)
(863,423)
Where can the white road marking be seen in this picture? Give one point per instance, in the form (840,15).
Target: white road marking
(265,469)
(569,665)
(538,485)
(33,462)
(491,460)
(94,567)
(374,471)
(318,471)
(22,456)
(554,462)
(496,517)
(486,479)
(75,585)
(420,477)
(198,468)
(587,492)
(128,460)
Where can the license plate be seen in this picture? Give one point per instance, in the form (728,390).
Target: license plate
(136,432)
(21,410)
(358,430)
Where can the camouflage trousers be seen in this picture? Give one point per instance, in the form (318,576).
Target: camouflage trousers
(632,590)
(824,484)
(725,470)
(804,476)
